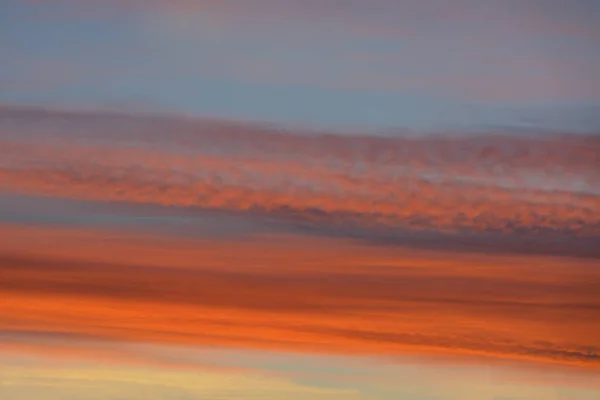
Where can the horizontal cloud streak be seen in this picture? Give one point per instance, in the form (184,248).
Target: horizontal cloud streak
(153,244)
(538,186)
(486,190)
(351,372)
(271,293)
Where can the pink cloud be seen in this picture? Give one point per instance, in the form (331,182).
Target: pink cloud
(483,184)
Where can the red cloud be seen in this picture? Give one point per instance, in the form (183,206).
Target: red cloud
(481,183)
(273,293)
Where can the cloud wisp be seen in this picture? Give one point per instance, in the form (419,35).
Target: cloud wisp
(509,185)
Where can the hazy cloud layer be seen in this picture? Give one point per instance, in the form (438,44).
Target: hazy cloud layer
(370,63)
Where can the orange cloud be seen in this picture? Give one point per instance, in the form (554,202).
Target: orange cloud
(274,294)
(501,184)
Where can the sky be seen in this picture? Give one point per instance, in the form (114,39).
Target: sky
(271,199)
(377,64)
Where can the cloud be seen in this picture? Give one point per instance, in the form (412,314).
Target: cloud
(509,184)
(272,294)
(350,375)
(493,191)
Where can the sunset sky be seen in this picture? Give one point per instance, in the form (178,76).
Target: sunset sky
(300,199)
